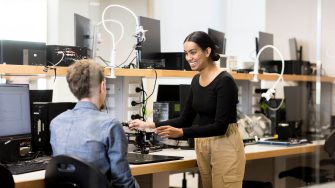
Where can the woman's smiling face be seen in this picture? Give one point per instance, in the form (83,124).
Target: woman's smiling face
(195,56)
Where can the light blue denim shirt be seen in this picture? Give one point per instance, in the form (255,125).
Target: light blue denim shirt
(93,136)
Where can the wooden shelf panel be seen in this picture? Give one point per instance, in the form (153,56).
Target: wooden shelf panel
(29,70)
(61,71)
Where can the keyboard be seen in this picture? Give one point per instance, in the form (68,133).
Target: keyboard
(22,167)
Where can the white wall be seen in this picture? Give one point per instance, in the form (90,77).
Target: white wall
(180,18)
(239,19)
(244,20)
(328,37)
(287,19)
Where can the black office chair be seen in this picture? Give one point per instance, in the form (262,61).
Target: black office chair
(6,178)
(69,172)
(308,174)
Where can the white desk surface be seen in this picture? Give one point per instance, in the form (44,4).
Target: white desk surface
(256,151)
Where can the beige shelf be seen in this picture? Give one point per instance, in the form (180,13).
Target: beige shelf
(30,70)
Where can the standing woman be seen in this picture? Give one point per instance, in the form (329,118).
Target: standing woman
(213,96)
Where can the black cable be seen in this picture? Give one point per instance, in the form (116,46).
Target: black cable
(127,58)
(145,99)
(107,63)
(154,85)
(131,64)
(55,74)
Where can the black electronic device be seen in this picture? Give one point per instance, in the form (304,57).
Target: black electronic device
(15,119)
(175,61)
(42,95)
(43,113)
(167,93)
(295,52)
(277,116)
(167,104)
(166,110)
(263,40)
(296,104)
(22,52)
(84,33)
(219,39)
(150,49)
(136,158)
(291,67)
(170,101)
(55,54)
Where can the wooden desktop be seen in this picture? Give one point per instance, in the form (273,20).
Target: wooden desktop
(253,152)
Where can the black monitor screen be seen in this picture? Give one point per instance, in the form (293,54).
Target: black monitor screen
(219,39)
(83,33)
(295,50)
(22,52)
(263,40)
(40,95)
(14,111)
(151,47)
(167,93)
(295,102)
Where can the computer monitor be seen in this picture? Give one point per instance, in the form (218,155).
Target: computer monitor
(44,95)
(22,52)
(295,52)
(166,93)
(84,33)
(14,112)
(295,102)
(175,93)
(219,39)
(263,40)
(151,47)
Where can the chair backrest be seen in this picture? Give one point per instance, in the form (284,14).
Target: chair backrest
(330,144)
(65,171)
(6,178)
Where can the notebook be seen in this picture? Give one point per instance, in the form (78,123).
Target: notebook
(137,158)
(274,141)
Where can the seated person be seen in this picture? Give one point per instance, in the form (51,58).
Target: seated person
(88,133)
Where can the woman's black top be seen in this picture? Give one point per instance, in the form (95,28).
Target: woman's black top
(215,104)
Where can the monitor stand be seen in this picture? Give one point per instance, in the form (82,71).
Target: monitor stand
(9,151)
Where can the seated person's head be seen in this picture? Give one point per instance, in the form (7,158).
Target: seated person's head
(86,81)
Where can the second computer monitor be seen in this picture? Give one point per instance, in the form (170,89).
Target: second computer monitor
(219,39)
(151,47)
(40,95)
(14,112)
(263,40)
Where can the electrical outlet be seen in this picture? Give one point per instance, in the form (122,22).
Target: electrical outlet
(132,112)
(132,88)
(110,89)
(130,99)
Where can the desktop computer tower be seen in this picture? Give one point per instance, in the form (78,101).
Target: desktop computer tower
(22,52)
(42,114)
(165,110)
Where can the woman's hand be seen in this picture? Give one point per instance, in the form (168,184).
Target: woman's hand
(169,132)
(139,124)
